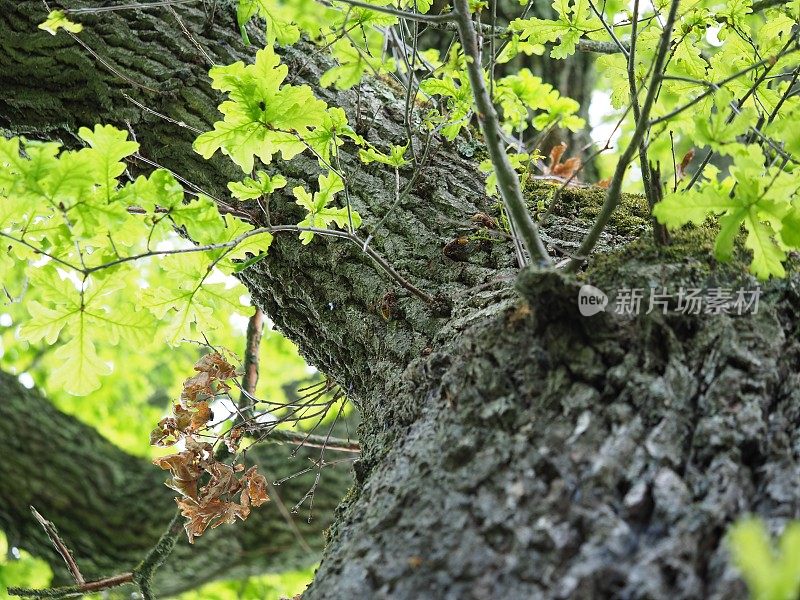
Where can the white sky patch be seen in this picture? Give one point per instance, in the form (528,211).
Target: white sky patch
(266,417)
(712,35)
(239,322)
(223,409)
(26,380)
(6,320)
(603,118)
(71,276)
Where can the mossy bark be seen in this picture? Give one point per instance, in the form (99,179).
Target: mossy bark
(510,447)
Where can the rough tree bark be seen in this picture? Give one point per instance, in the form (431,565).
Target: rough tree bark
(511,449)
(111,507)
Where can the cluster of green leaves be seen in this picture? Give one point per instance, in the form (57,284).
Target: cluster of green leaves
(763,199)
(264,117)
(574,21)
(318,214)
(746,120)
(772,572)
(720,91)
(74,231)
(524,99)
(349,31)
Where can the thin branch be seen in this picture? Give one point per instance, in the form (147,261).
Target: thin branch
(143,573)
(255,327)
(137,5)
(507,180)
(614,192)
(74,591)
(583,44)
(400,14)
(305,439)
(60,546)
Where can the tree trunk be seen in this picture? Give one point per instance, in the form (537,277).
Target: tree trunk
(510,447)
(110,507)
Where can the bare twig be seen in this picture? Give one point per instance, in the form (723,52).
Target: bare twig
(132,6)
(614,192)
(400,14)
(74,591)
(306,439)
(60,546)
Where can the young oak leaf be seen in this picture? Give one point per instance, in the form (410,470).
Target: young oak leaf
(324,139)
(262,117)
(574,20)
(79,368)
(762,211)
(320,215)
(263,185)
(249,240)
(191,301)
(279,30)
(353,64)
(459,101)
(109,146)
(772,571)
(396,157)
(56,20)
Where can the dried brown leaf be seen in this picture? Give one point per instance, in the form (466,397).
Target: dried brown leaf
(201,414)
(198,388)
(166,433)
(556,152)
(183,417)
(214,513)
(484,220)
(185,472)
(680,171)
(566,169)
(233,439)
(186,467)
(223,481)
(255,490)
(216,366)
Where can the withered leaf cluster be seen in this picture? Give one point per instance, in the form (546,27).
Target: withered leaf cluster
(193,411)
(225,496)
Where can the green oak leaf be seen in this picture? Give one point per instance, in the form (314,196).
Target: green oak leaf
(574,20)
(319,214)
(763,209)
(395,158)
(56,20)
(263,185)
(262,117)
